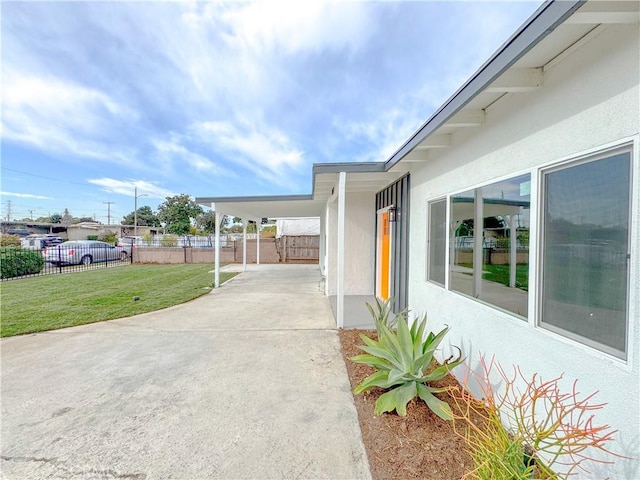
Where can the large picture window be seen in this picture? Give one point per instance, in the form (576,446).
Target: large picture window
(585,248)
(489,237)
(436,263)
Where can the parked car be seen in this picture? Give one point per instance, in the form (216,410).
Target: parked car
(84,252)
(21,232)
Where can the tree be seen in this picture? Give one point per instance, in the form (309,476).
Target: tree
(251,226)
(146,218)
(206,222)
(67,218)
(55,218)
(177,212)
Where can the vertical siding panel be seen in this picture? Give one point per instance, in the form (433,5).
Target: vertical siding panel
(398,194)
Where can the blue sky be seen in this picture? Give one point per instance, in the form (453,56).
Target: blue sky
(220,98)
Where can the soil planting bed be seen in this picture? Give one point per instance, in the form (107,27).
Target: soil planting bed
(420,445)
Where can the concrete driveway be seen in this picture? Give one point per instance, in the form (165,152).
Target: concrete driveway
(246,382)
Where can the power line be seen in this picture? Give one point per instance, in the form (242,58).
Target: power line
(42,176)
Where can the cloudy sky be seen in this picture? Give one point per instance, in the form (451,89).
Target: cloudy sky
(220,98)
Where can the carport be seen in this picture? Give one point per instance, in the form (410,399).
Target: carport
(343,197)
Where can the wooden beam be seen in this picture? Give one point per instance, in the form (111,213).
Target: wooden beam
(517,80)
(435,141)
(467,118)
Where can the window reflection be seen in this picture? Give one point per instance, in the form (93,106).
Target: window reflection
(492,263)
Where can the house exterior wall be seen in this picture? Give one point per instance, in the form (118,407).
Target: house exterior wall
(360,220)
(589,101)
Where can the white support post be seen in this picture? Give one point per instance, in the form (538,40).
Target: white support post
(258,226)
(342,180)
(219,218)
(478,244)
(244,244)
(513,250)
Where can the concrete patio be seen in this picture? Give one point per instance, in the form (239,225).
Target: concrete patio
(246,382)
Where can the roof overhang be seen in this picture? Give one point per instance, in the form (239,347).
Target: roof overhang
(361,177)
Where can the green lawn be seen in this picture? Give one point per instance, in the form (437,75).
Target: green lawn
(500,274)
(56,301)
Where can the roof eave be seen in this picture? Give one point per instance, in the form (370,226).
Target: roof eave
(542,22)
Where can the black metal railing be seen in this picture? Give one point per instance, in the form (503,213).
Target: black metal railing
(16,262)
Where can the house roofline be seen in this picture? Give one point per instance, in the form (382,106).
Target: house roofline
(255,198)
(540,24)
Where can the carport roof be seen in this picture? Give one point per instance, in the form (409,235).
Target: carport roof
(362,177)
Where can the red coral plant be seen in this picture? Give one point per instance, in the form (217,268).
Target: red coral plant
(531,429)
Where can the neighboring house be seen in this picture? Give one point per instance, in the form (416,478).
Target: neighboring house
(512,215)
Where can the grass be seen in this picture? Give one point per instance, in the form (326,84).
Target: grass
(500,274)
(56,301)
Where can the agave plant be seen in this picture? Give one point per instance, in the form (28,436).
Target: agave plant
(401,358)
(382,313)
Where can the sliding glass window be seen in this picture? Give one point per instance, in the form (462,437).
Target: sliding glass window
(489,241)
(437,240)
(585,251)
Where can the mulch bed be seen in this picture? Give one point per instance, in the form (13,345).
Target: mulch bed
(420,445)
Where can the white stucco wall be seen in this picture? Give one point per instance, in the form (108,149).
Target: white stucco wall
(589,101)
(359,244)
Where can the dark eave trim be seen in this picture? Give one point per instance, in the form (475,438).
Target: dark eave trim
(260,198)
(543,21)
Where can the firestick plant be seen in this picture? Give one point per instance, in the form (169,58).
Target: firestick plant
(549,433)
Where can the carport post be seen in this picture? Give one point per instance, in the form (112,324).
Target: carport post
(342,180)
(218,219)
(258,225)
(244,244)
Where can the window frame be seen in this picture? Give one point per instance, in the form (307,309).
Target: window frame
(542,173)
(534,202)
(430,203)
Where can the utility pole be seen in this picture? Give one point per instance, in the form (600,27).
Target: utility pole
(8,210)
(108,212)
(31,214)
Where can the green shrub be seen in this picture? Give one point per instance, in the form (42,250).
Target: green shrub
(9,241)
(147,238)
(15,262)
(401,358)
(92,237)
(109,237)
(169,241)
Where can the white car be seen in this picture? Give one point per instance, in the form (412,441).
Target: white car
(84,252)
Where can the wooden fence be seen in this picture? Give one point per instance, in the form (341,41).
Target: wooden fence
(299,248)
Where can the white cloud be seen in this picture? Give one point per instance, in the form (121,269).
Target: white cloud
(294,26)
(172,151)
(265,151)
(25,195)
(59,116)
(127,187)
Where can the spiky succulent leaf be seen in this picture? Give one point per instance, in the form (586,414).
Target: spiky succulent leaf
(376,379)
(440,372)
(373,361)
(437,406)
(396,399)
(405,344)
(384,354)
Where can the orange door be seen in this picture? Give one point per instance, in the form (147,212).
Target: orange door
(384,255)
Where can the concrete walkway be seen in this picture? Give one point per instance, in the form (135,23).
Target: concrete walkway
(246,382)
